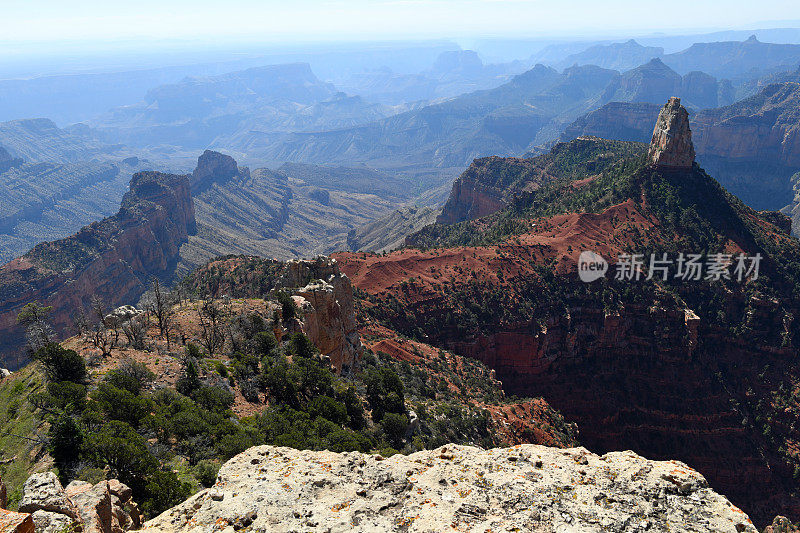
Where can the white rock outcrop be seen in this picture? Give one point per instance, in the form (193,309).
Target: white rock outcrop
(524,488)
(329,320)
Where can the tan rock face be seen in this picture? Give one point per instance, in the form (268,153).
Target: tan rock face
(94,507)
(106,507)
(44,492)
(47,522)
(523,488)
(330,320)
(671,146)
(11,522)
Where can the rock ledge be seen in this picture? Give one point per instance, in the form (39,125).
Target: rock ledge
(523,488)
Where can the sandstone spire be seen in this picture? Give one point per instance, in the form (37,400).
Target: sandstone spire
(672,146)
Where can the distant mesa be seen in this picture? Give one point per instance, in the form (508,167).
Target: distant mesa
(214,167)
(671,146)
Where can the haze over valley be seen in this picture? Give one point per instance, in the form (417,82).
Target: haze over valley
(418,264)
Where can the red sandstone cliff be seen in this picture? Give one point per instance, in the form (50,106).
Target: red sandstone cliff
(471,196)
(706,373)
(112,259)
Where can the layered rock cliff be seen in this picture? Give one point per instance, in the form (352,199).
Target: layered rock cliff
(523,488)
(703,371)
(622,121)
(214,167)
(112,259)
(491,183)
(655,82)
(751,146)
(473,196)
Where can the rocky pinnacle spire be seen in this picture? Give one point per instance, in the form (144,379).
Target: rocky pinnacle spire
(672,146)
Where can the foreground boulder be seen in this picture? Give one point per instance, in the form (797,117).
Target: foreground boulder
(523,488)
(11,522)
(105,507)
(43,492)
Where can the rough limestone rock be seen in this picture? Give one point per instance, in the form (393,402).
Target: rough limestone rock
(47,522)
(44,492)
(781,524)
(106,507)
(94,508)
(11,522)
(122,314)
(524,488)
(671,146)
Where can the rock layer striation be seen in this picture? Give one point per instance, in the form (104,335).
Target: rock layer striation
(113,259)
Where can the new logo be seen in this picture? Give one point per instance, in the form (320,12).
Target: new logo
(591,266)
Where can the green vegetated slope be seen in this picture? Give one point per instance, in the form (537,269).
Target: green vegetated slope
(23,430)
(165,399)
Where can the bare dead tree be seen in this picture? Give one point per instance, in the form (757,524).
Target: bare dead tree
(36,319)
(168,325)
(135,332)
(102,336)
(212,332)
(81,322)
(160,306)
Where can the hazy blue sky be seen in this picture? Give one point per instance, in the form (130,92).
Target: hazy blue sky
(268,20)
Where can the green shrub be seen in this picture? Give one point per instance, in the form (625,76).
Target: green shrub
(329,409)
(189,381)
(206,472)
(384,392)
(213,398)
(120,404)
(120,447)
(288,308)
(131,376)
(66,440)
(394,426)
(164,490)
(61,364)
